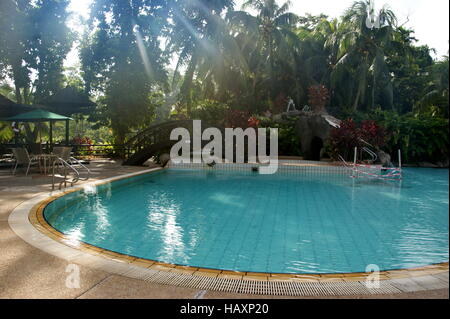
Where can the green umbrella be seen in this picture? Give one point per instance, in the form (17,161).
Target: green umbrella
(42,116)
(38,116)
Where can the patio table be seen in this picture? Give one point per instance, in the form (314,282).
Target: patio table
(50,158)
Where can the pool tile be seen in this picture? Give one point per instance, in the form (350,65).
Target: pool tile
(233,273)
(230,276)
(206,274)
(160,267)
(142,263)
(207,270)
(256,278)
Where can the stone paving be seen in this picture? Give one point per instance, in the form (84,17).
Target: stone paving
(27,272)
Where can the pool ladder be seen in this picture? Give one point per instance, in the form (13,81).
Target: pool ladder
(69,169)
(371,153)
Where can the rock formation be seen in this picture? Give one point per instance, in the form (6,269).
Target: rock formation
(313,131)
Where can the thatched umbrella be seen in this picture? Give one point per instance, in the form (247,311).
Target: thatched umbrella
(9,108)
(70,101)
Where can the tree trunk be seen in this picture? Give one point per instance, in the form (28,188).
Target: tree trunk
(119,140)
(16,70)
(18,94)
(358,94)
(373,91)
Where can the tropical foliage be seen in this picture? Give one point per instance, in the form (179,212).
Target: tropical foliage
(34,38)
(421,137)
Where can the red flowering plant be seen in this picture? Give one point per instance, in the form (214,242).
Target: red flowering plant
(373,134)
(253,122)
(237,118)
(343,140)
(83,145)
(242,119)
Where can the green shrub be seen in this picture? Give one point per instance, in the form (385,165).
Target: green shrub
(288,139)
(6,133)
(211,112)
(420,137)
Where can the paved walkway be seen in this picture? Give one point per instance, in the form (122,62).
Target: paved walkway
(27,272)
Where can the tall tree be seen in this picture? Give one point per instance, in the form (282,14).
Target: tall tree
(122,60)
(267,40)
(14,46)
(199,36)
(436,92)
(50,42)
(34,39)
(312,56)
(410,66)
(361,54)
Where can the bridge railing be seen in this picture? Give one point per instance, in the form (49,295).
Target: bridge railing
(155,135)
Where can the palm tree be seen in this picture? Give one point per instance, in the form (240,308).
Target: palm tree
(359,50)
(198,36)
(437,91)
(312,57)
(266,39)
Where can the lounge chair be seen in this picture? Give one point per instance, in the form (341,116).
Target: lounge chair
(62,152)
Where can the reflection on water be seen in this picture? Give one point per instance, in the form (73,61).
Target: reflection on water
(418,241)
(279,223)
(226,199)
(163,212)
(75,233)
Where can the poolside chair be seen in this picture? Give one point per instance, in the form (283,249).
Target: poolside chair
(35,149)
(22,157)
(62,152)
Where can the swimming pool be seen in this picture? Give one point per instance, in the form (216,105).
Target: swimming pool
(282,223)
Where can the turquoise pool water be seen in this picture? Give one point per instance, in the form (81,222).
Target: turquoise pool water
(265,223)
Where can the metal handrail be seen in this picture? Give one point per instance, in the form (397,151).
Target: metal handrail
(66,165)
(371,153)
(73,159)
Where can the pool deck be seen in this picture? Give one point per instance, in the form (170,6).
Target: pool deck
(28,272)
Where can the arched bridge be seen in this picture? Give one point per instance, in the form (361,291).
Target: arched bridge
(152,140)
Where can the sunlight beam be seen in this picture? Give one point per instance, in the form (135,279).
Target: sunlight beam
(143,53)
